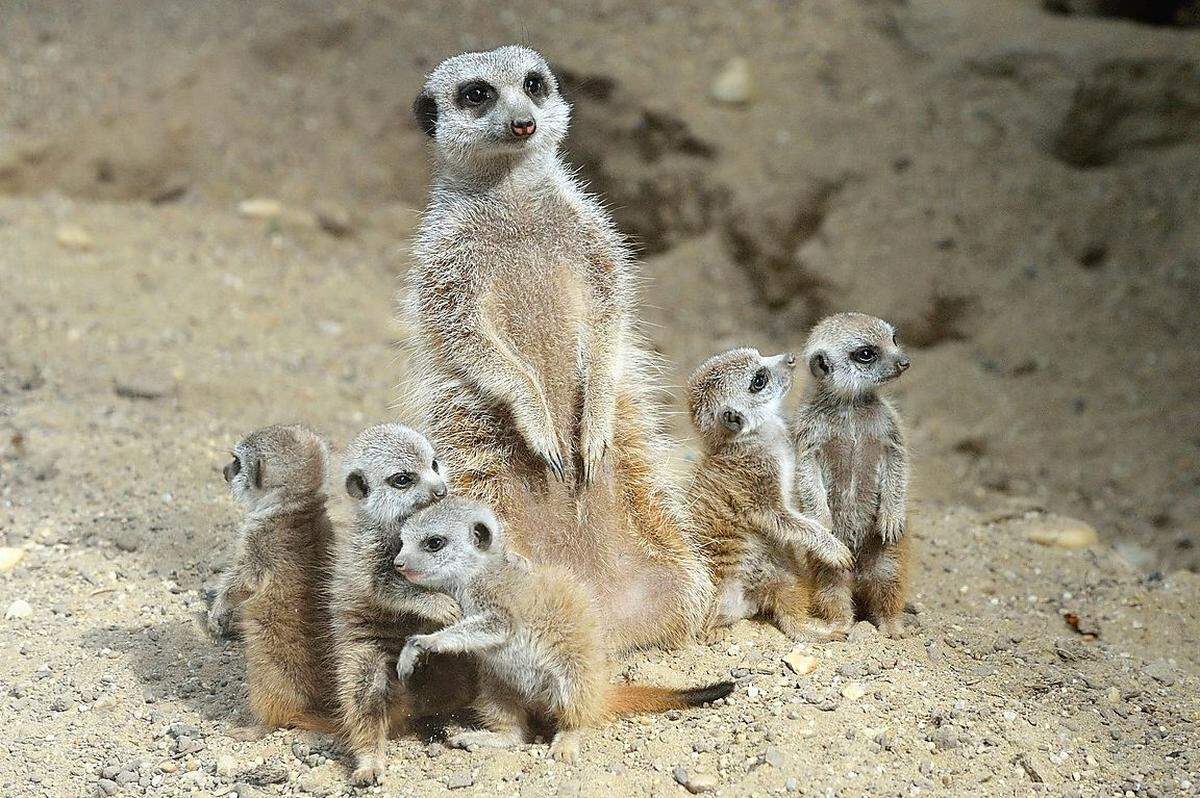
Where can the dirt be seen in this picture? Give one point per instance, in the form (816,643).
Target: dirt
(1014,185)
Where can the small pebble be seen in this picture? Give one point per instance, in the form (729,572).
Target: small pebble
(74,237)
(18,609)
(734,84)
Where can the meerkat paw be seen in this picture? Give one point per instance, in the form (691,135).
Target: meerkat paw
(547,446)
(367,771)
(470,740)
(891,628)
(414,647)
(219,621)
(595,439)
(247,734)
(565,746)
(710,635)
(832,552)
(831,631)
(891,528)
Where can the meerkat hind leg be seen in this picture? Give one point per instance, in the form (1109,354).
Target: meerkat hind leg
(879,588)
(787,604)
(832,601)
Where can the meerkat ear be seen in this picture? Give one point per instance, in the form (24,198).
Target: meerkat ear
(732,420)
(425,111)
(356,485)
(818,365)
(481,535)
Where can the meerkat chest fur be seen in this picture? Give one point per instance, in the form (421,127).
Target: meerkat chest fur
(848,442)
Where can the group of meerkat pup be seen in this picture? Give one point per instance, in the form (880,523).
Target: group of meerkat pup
(498,565)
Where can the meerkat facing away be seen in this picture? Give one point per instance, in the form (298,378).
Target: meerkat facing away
(391,472)
(740,494)
(533,629)
(853,470)
(531,378)
(278,579)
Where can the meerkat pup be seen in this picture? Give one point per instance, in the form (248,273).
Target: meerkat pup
(532,628)
(853,470)
(529,373)
(740,495)
(390,472)
(278,579)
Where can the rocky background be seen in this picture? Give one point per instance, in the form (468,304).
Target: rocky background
(203,212)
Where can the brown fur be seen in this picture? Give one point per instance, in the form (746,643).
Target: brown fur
(533,628)
(852,472)
(278,581)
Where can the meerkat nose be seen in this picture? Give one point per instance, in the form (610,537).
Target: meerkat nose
(791,359)
(902,364)
(523,128)
(440,492)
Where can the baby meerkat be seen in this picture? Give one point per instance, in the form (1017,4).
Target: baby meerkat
(391,472)
(852,470)
(533,629)
(740,495)
(279,578)
(533,380)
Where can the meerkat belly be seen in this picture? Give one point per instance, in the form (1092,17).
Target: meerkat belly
(541,313)
(850,469)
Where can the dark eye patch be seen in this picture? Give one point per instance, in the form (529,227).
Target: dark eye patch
(475,94)
(433,543)
(536,85)
(760,379)
(402,480)
(864,354)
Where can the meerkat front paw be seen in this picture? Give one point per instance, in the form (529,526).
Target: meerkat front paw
(891,527)
(368,770)
(407,661)
(891,628)
(831,551)
(595,439)
(542,439)
(565,747)
(220,620)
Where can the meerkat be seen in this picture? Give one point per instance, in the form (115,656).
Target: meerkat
(741,493)
(529,374)
(532,628)
(278,580)
(390,473)
(852,470)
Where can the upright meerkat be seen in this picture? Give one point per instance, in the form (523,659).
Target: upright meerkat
(534,384)
(278,579)
(853,470)
(390,473)
(533,629)
(741,493)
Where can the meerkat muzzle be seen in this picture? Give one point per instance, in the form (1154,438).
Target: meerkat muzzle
(523,128)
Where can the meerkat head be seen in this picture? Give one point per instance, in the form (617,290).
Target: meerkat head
(444,545)
(503,103)
(852,354)
(277,462)
(392,472)
(734,393)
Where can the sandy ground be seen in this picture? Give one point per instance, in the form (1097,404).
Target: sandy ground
(1017,190)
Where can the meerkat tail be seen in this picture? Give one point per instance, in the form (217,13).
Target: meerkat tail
(641,699)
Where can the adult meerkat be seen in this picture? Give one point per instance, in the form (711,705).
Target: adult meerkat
(278,579)
(535,386)
(740,495)
(533,629)
(390,473)
(853,470)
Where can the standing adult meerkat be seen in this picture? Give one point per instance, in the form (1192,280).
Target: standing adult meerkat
(278,579)
(534,384)
(853,470)
(390,473)
(533,628)
(741,493)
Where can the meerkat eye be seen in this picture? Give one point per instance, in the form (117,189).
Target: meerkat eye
(475,94)
(435,543)
(535,84)
(760,379)
(435,467)
(402,480)
(864,354)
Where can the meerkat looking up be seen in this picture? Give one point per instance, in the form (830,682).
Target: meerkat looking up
(390,472)
(532,380)
(740,494)
(533,629)
(853,469)
(278,579)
